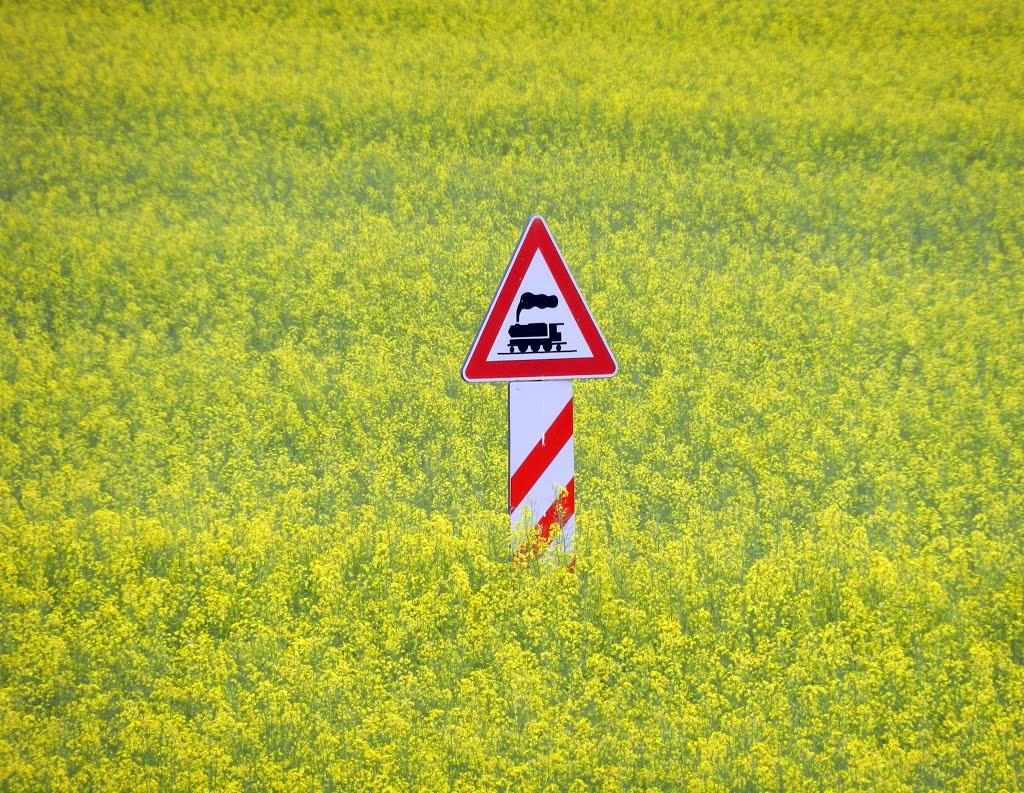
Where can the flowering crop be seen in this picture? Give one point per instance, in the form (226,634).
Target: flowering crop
(251,527)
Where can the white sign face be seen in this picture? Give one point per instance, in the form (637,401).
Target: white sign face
(538,325)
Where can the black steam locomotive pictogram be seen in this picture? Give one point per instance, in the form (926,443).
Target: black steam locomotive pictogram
(535,336)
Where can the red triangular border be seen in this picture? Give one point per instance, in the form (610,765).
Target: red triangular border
(537,236)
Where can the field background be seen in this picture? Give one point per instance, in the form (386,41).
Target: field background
(251,527)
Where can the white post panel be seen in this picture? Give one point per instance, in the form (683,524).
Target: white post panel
(541,492)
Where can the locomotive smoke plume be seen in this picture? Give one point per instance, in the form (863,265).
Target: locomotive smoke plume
(530,300)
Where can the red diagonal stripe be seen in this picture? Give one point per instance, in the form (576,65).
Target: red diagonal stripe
(564,504)
(540,457)
(559,512)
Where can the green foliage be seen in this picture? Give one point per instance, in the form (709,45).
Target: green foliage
(250,517)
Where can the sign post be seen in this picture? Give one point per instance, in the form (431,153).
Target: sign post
(541,475)
(538,335)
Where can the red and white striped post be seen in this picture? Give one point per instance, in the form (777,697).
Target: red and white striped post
(541,476)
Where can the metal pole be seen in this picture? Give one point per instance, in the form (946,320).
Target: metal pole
(541,491)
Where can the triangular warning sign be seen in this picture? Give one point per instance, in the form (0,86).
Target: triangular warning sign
(538,327)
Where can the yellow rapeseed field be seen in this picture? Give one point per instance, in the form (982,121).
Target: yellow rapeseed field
(251,519)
